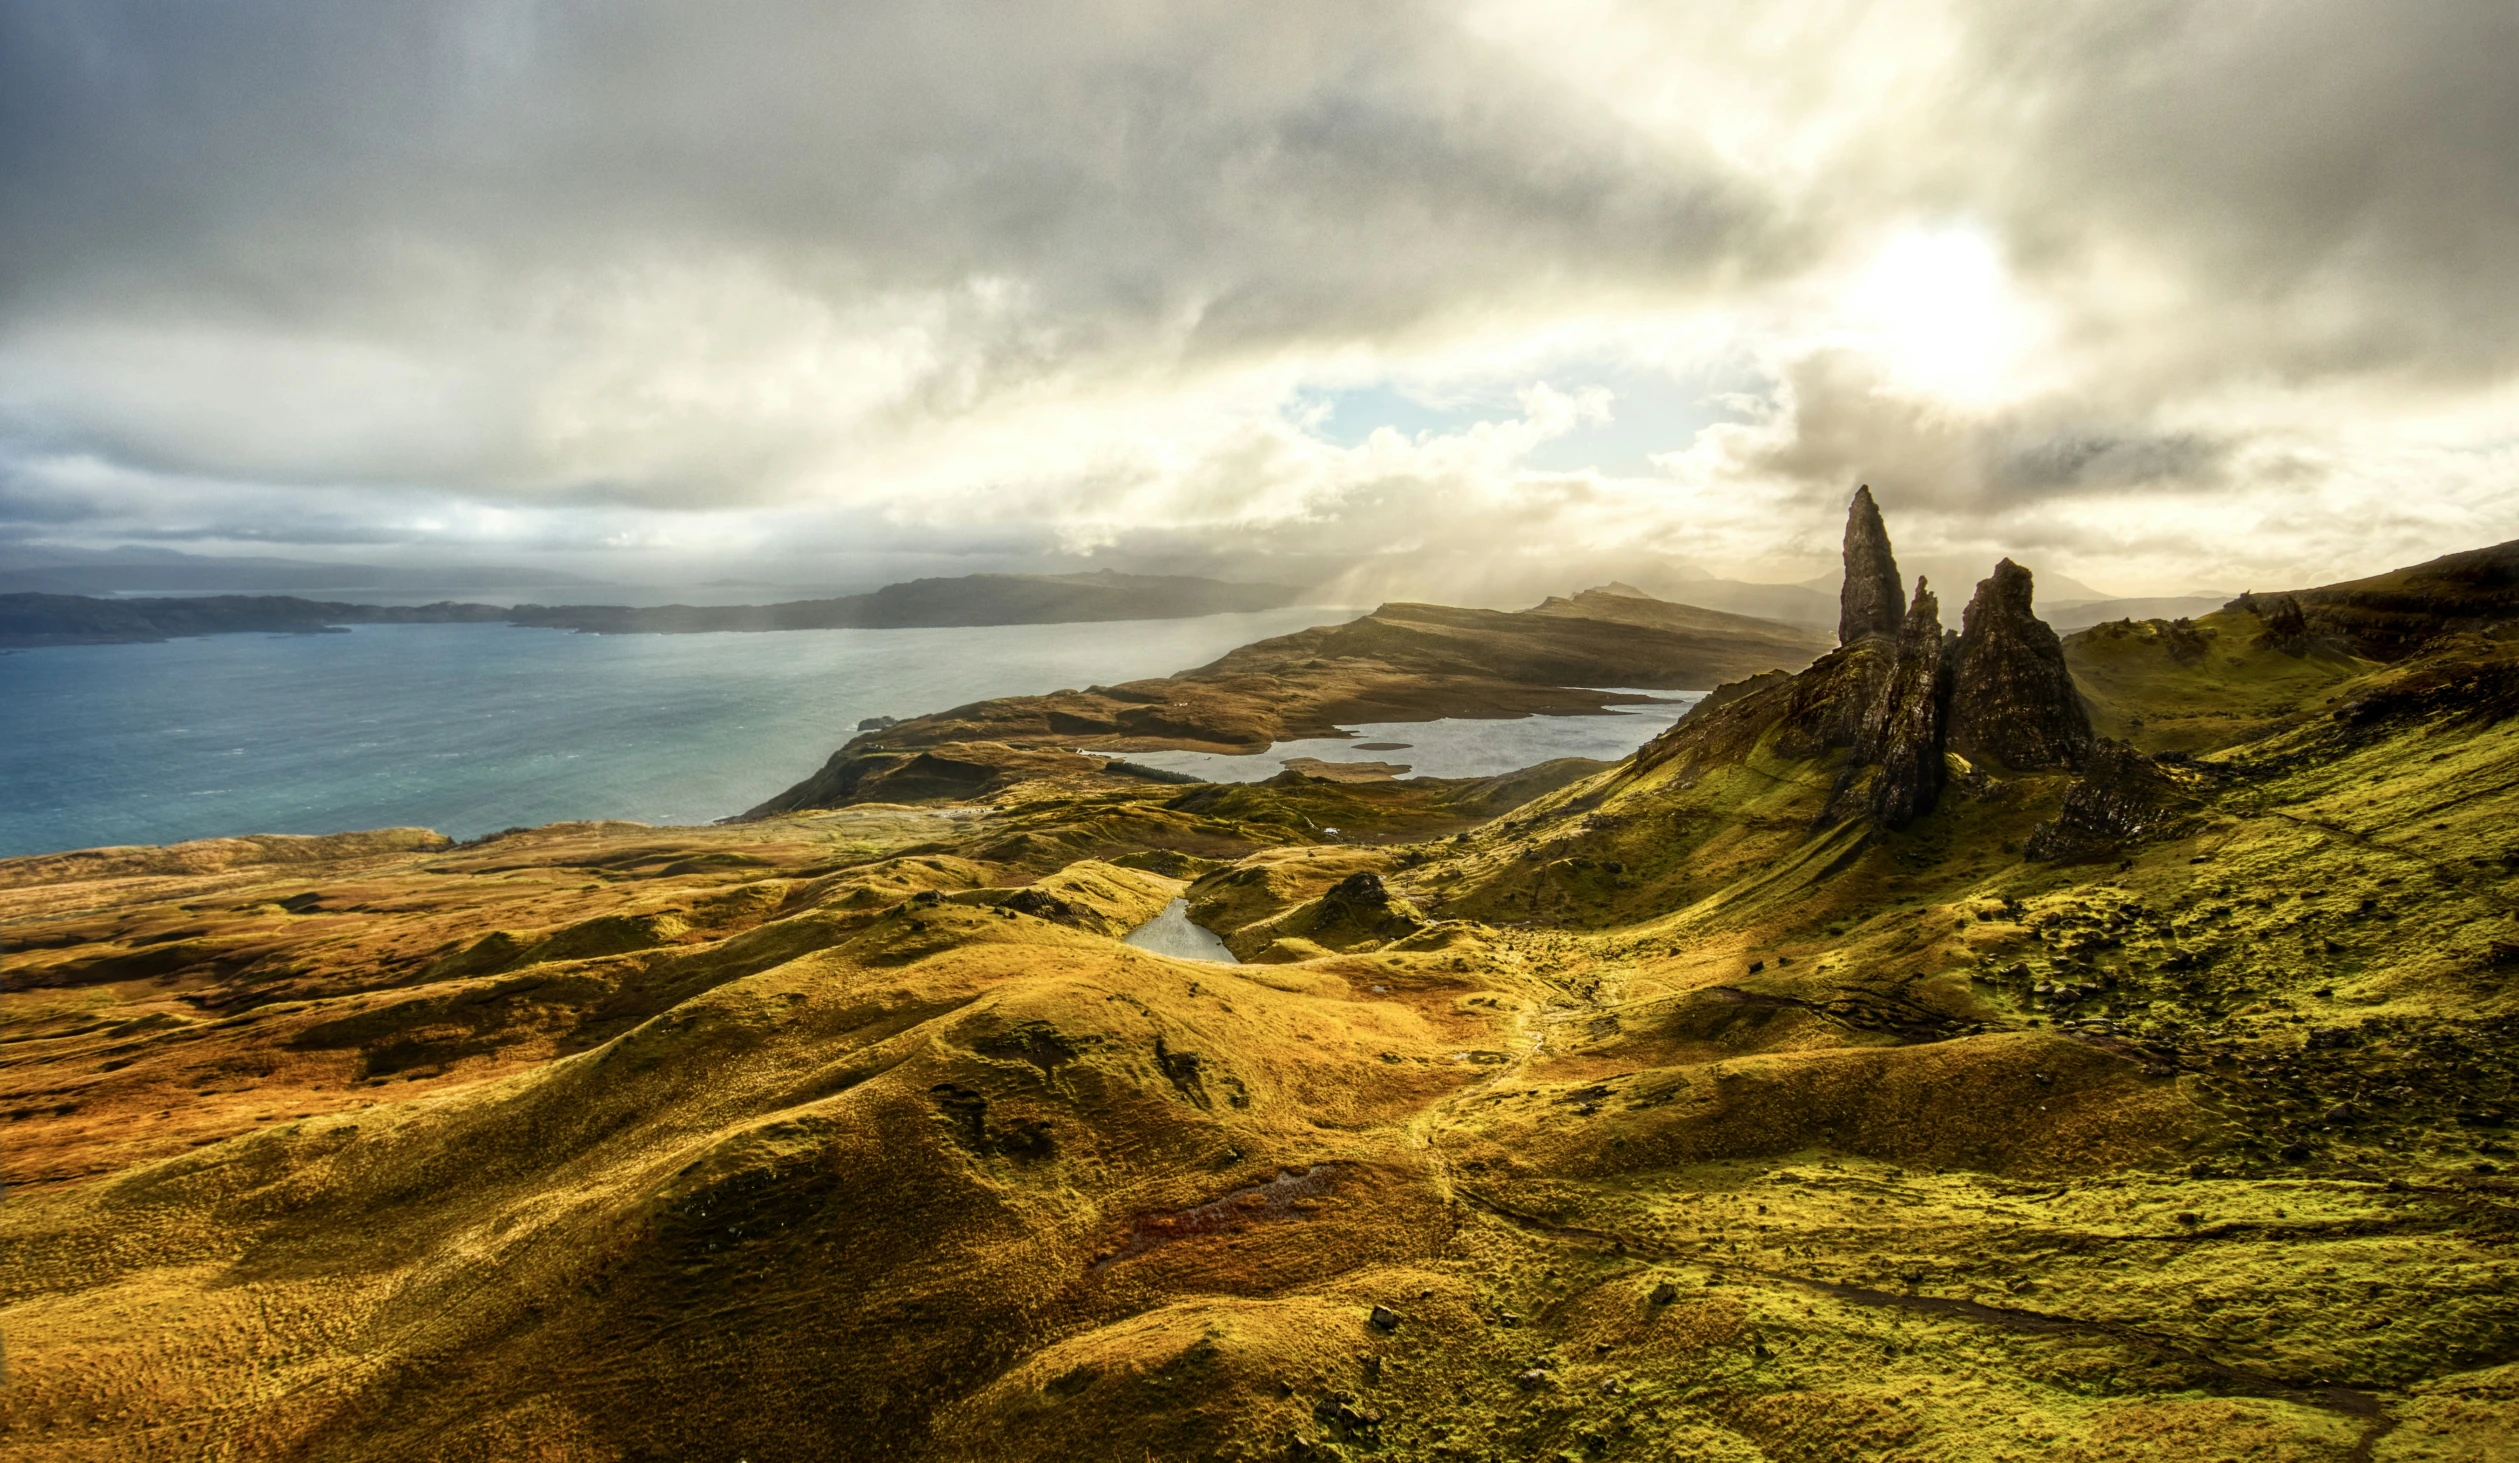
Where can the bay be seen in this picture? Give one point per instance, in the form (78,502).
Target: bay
(472,728)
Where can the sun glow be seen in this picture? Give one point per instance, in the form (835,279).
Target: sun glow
(1937,307)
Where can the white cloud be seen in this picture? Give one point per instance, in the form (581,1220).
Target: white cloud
(2168,292)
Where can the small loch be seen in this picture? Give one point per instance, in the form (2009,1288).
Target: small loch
(1171,933)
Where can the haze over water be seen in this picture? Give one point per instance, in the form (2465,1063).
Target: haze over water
(472,728)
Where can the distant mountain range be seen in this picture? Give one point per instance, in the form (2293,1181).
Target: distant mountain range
(140,569)
(34,619)
(972,599)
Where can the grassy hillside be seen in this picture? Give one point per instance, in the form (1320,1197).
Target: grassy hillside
(1403,662)
(1670,1113)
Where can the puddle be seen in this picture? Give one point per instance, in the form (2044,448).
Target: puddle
(1171,933)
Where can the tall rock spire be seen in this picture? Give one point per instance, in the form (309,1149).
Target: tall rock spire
(2012,700)
(1870,602)
(1903,733)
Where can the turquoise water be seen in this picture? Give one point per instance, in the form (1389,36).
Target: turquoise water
(472,728)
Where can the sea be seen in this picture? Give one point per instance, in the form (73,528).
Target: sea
(469,729)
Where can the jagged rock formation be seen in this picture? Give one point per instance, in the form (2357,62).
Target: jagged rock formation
(1903,731)
(2012,700)
(1900,691)
(1870,602)
(2286,628)
(2123,795)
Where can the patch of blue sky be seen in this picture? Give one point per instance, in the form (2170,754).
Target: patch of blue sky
(1651,412)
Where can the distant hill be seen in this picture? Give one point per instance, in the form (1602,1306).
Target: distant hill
(138,569)
(1760,638)
(2067,618)
(1793,604)
(33,619)
(1403,662)
(70,619)
(973,599)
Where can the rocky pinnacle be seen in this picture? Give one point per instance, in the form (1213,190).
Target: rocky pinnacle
(1870,603)
(2012,700)
(1903,734)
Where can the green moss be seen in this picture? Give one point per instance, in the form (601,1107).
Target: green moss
(2199,686)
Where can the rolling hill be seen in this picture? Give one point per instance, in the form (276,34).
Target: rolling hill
(1976,1046)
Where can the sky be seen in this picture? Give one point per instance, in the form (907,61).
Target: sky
(1446,300)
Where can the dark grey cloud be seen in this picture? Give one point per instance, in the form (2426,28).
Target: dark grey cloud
(29,507)
(2336,182)
(1283,171)
(1843,421)
(958,275)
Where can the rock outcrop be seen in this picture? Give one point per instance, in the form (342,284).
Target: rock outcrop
(2286,628)
(2123,795)
(2013,703)
(1900,693)
(1870,603)
(1903,732)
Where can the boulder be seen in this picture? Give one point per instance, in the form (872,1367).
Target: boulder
(2286,628)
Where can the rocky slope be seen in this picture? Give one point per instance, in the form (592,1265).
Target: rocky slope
(2151,1107)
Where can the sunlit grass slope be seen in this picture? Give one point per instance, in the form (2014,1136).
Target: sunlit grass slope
(1664,1115)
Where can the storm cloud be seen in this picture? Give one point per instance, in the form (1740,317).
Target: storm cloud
(2157,289)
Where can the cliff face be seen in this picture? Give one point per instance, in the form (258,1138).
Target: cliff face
(2012,700)
(1899,691)
(1904,732)
(2392,616)
(1870,602)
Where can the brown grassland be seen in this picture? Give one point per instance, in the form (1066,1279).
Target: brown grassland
(1647,1111)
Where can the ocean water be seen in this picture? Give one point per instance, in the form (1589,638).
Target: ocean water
(472,728)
